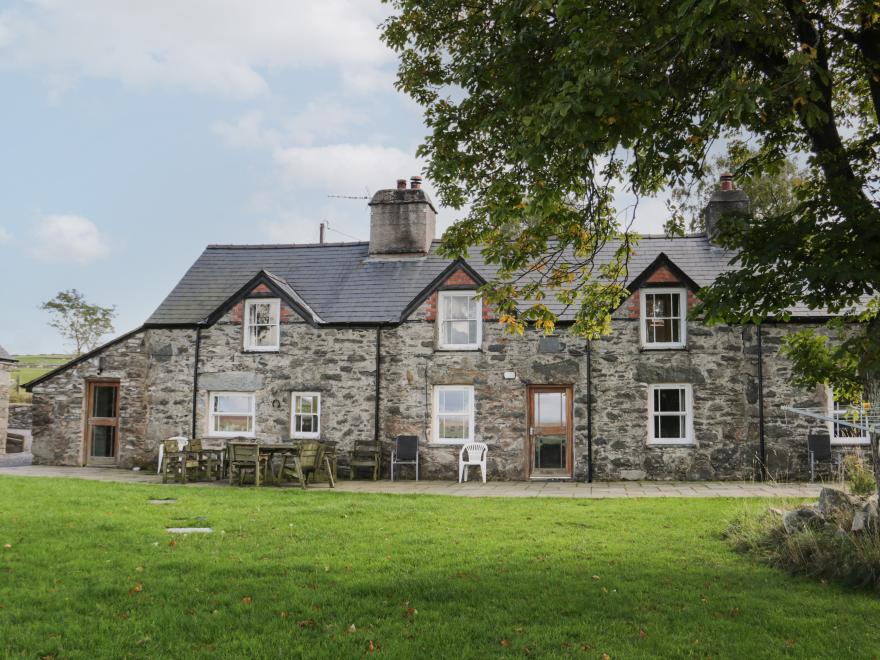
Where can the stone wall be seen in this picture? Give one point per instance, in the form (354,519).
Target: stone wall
(5,368)
(20,416)
(339,363)
(155,370)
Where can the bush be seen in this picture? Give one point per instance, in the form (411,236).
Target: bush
(851,559)
(858,475)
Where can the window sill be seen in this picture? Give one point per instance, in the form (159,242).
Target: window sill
(440,445)
(460,349)
(850,442)
(661,445)
(257,351)
(653,349)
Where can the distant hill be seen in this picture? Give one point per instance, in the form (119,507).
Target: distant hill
(30,367)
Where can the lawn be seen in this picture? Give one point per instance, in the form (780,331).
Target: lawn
(91,572)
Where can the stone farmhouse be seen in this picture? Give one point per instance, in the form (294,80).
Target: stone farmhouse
(374,339)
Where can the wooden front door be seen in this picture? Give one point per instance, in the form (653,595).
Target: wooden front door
(550,431)
(102,423)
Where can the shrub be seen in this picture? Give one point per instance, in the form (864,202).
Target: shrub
(859,476)
(827,552)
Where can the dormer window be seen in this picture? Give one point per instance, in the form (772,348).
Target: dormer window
(261,324)
(663,316)
(460,320)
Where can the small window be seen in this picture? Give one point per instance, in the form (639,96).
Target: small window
(306,415)
(232,414)
(847,418)
(671,416)
(453,414)
(261,324)
(663,318)
(460,320)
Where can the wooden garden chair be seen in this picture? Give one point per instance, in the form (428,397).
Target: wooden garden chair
(179,463)
(245,457)
(365,455)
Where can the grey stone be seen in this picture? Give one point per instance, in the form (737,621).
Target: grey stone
(189,530)
(233,381)
(833,503)
(549,345)
(799,520)
(633,475)
(859,521)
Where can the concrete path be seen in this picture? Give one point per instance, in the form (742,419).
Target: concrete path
(476,489)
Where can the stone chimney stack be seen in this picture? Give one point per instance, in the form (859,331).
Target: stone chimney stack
(726,201)
(402,220)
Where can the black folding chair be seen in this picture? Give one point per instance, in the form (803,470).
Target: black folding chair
(819,448)
(405,452)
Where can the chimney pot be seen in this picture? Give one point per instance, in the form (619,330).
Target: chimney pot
(727,181)
(401,184)
(415,182)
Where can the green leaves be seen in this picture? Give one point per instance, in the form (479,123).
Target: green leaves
(540,111)
(79,321)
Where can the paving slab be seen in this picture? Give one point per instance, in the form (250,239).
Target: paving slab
(597,490)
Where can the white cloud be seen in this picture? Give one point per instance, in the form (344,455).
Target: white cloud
(290,228)
(248,131)
(69,239)
(5,235)
(345,168)
(215,46)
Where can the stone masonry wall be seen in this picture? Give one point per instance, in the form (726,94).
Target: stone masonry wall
(339,363)
(20,416)
(59,405)
(5,368)
(155,370)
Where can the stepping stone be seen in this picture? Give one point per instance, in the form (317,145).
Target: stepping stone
(162,501)
(189,530)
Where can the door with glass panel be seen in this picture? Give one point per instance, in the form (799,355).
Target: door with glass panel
(550,431)
(102,423)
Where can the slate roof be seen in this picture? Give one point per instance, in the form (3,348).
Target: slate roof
(6,357)
(341,283)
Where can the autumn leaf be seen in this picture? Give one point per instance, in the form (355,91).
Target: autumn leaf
(172,543)
(505,642)
(605,656)
(306,623)
(247,600)
(7,545)
(642,633)
(136,589)
(734,612)
(352,628)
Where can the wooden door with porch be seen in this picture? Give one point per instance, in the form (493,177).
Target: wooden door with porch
(550,431)
(102,423)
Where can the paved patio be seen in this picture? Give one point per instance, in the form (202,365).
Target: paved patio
(476,489)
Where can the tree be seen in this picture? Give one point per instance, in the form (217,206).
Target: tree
(78,321)
(537,109)
(770,194)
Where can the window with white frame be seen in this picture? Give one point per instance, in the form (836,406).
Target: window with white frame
(671,414)
(663,318)
(848,425)
(453,414)
(460,320)
(262,324)
(305,419)
(232,414)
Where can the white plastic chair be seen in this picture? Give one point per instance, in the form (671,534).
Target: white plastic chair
(182,441)
(476,453)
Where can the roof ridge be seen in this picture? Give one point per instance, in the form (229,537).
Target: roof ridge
(271,246)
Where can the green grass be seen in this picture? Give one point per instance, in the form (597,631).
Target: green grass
(30,367)
(92,573)
(48,359)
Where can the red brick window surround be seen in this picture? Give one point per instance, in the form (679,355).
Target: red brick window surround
(457,280)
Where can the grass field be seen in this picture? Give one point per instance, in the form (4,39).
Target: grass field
(87,570)
(30,367)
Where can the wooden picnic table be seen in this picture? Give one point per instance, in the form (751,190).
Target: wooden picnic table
(271,450)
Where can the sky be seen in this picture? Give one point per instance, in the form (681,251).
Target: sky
(132,135)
